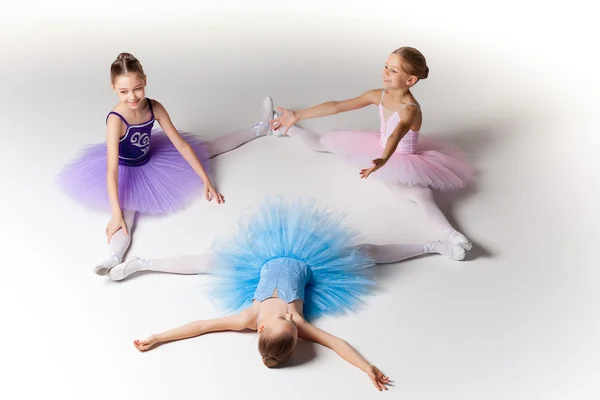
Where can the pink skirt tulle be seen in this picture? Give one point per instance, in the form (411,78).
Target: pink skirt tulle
(434,164)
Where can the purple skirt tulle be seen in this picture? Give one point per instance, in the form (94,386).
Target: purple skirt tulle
(166,183)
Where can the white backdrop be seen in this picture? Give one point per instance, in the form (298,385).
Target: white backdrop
(513,83)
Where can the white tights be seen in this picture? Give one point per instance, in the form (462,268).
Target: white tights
(422,196)
(202,263)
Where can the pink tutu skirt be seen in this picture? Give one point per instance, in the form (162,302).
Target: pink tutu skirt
(432,163)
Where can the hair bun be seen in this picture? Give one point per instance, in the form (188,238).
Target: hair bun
(270,361)
(125,56)
(425,73)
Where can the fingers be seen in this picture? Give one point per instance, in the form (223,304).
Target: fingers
(142,345)
(379,384)
(218,196)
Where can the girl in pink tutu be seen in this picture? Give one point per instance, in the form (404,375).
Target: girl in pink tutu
(395,154)
(141,169)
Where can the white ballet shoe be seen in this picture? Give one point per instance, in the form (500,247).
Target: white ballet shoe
(458,238)
(105,266)
(263,127)
(120,271)
(452,251)
(458,253)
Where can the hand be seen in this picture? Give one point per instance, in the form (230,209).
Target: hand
(379,380)
(377,163)
(287,120)
(210,192)
(146,344)
(114,225)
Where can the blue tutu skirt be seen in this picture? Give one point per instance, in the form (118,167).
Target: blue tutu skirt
(341,274)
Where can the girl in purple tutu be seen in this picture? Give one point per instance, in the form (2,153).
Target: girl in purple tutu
(395,154)
(141,168)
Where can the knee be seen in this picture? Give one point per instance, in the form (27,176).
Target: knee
(420,195)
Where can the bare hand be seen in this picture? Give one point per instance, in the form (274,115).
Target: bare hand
(377,163)
(210,192)
(146,344)
(379,380)
(287,120)
(114,225)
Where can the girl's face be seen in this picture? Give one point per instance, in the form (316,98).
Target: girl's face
(394,76)
(131,89)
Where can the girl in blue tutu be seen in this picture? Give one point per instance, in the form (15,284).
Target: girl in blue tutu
(289,263)
(142,169)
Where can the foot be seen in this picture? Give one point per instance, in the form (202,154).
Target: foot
(105,266)
(123,270)
(450,250)
(455,237)
(263,127)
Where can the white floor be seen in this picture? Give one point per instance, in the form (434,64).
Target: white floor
(515,85)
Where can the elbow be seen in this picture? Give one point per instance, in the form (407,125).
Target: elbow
(336,107)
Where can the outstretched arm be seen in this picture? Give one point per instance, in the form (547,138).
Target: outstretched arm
(307,331)
(336,107)
(183,147)
(290,117)
(236,322)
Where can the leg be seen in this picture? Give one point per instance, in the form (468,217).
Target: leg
(312,140)
(424,198)
(118,245)
(231,141)
(235,139)
(392,253)
(185,265)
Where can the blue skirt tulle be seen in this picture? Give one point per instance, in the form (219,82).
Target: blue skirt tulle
(342,274)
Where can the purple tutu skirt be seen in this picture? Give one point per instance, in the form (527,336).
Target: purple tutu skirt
(164,184)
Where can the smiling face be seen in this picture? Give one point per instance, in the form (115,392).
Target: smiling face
(128,80)
(394,74)
(404,67)
(130,88)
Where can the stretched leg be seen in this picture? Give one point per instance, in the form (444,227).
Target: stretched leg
(391,253)
(185,265)
(424,198)
(118,245)
(310,139)
(231,141)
